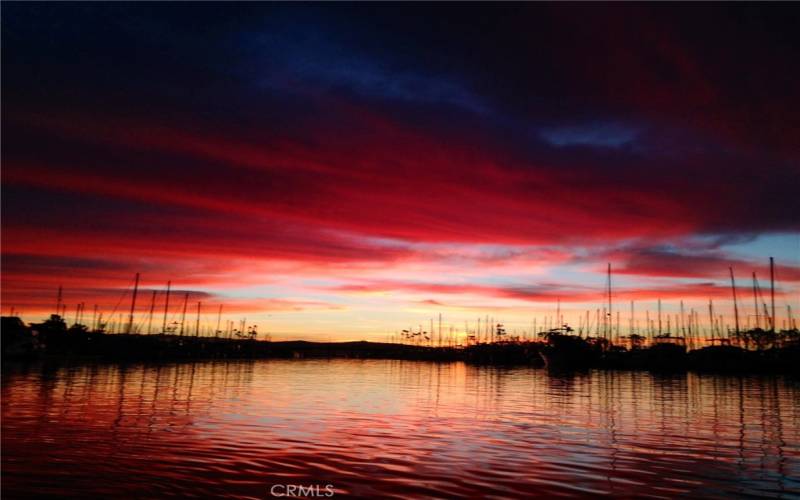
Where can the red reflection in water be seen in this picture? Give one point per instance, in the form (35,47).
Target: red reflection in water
(391,428)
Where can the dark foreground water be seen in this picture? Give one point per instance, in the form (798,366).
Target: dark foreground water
(393,428)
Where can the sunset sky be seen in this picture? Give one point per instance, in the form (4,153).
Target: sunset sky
(347,171)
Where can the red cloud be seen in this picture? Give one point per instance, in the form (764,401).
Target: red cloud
(548,293)
(381,178)
(204,208)
(654,262)
(40,299)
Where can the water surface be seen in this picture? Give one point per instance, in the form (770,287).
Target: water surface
(393,429)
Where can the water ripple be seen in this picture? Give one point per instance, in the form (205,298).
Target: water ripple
(394,429)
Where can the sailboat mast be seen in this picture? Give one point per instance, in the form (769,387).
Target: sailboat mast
(219,318)
(755,302)
(133,304)
(197,326)
(558,312)
(183,318)
(660,330)
(609,292)
(166,309)
(630,332)
(772,289)
(711,317)
(597,322)
(735,305)
(440,329)
(683,322)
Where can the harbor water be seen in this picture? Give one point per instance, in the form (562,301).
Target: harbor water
(380,428)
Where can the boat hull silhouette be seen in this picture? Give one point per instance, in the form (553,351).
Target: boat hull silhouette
(568,352)
(667,357)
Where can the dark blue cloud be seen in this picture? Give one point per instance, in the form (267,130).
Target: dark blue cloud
(608,134)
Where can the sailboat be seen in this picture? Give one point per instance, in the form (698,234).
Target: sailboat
(566,351)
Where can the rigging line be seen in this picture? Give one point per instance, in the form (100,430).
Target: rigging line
(767,315)
(137,324)
(124,293)
(175,315)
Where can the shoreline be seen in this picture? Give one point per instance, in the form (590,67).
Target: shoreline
(89,347)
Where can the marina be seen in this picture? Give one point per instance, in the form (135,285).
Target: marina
(657,348)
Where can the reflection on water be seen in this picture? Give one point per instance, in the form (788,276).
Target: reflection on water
(394,428)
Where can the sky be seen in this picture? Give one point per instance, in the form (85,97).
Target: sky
(346,171)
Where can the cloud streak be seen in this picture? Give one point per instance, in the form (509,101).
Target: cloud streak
(272,153)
